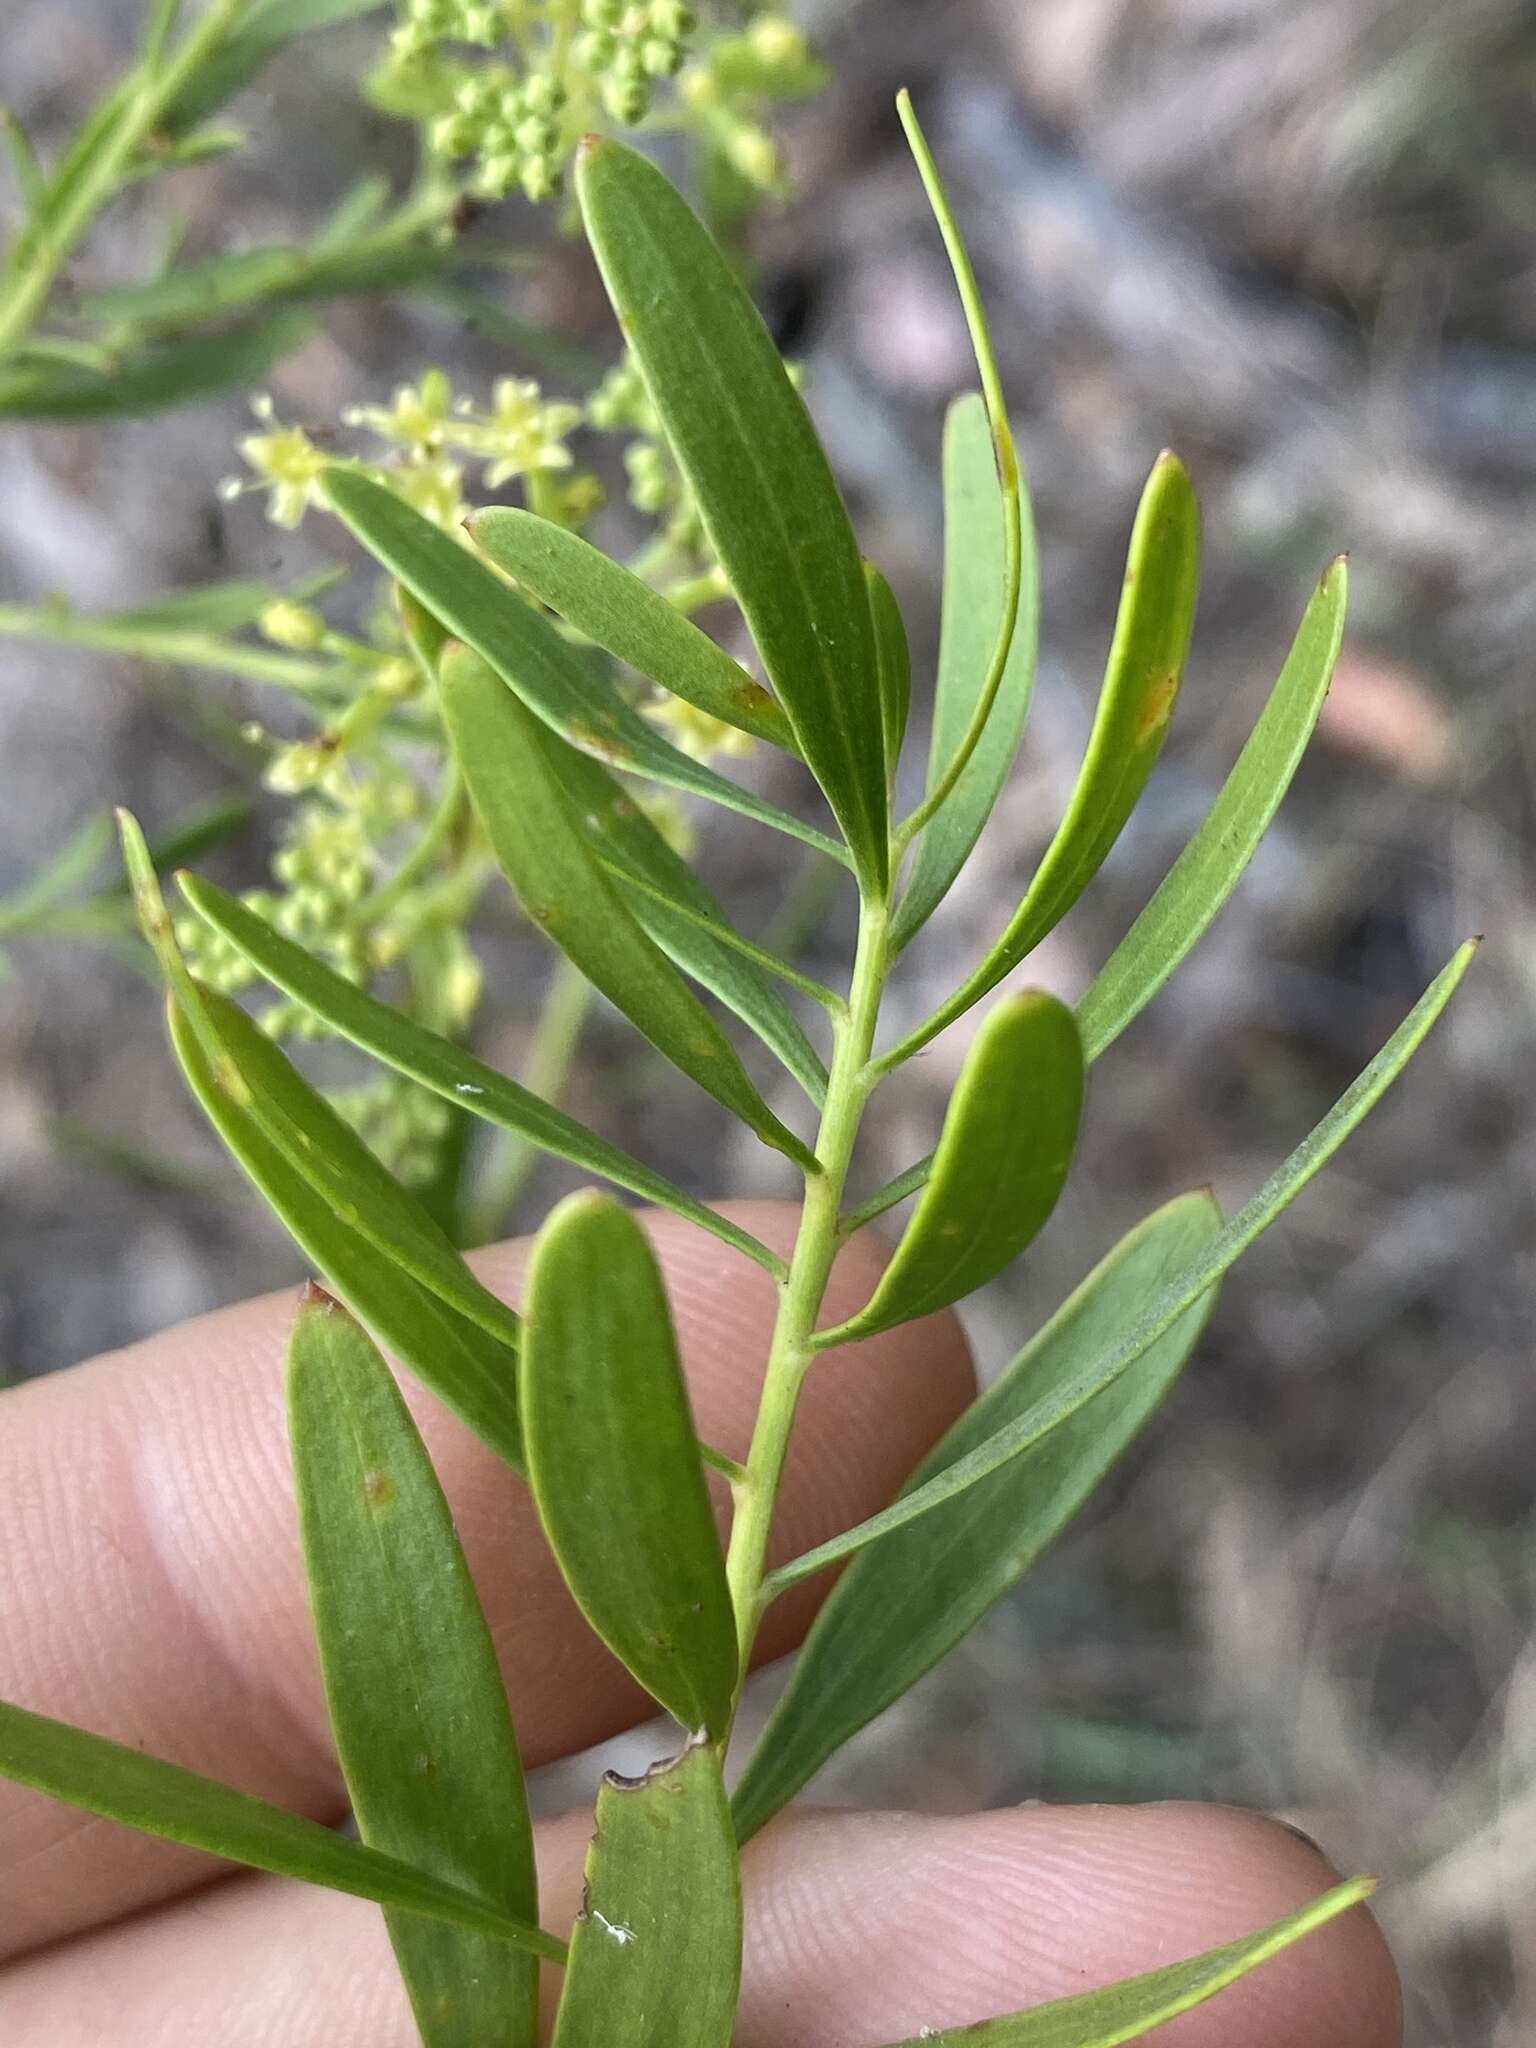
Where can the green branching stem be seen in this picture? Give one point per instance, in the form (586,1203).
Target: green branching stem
(804,1286)
(419,862)
(1007,472)
(182,648)
(37,259)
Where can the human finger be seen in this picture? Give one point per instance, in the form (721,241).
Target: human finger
(863,1929)
(155,1590)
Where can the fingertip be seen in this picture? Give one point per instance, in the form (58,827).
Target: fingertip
(867,1928)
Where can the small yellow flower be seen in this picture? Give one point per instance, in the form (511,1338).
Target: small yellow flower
(288,464)
(416,419)
(522,431)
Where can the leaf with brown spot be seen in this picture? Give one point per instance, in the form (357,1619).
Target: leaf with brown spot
(418,1709)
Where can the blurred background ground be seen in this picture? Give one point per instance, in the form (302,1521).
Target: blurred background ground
(1294,242)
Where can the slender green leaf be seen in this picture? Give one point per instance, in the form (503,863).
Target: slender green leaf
(97,133)
(215,608)
(555,680)
(1141,686)
(904,1603)
(1205,874)
(123,1784)
(324,1148)
(973,610)
(746,444)
(887,1197)
(472,1372)
(263,33)
(1160,1314)
(1009,1135)
(671,904)
(1212,864)
(1130,2010)
(205,290)
(618,612)
(894,659)
(359,208)
(224,285)
(614,1461)
(656,1955)
(417,1706)
(31,184)
(177,374)
(411,1049)
(539,840)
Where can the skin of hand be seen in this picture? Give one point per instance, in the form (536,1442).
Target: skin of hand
(154,1592)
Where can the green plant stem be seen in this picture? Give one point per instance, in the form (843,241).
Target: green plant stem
(182,649)
(437,832)
(28,283)
(804,1286)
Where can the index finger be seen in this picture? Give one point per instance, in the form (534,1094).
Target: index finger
(154,1588)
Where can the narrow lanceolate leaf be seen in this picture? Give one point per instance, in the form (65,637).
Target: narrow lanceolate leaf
(1130,2010)
(321,1146)
(123,1784)
(266,29)
(1002,1161)
(745,442)
(1181,1293)
(214,608)
(974,578)
(894,657)
(1141,686)
(614,1460)
(177,374)
(437,1063)
(542,846)
(904,1603)
(557,682)
(656,1955)
(616,611)
(473,1372)
(1211,866)
(671,904)
(419,1713)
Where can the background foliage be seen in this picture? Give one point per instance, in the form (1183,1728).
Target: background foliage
(1281,1612)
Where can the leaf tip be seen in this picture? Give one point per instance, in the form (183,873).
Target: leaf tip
(313,1296)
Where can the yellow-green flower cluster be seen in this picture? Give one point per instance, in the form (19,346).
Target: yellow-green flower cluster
(507,88)
(511,125)
(736,80)
(378,870)
(629,46)
(622,405)
(404,1125)
(432,439)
